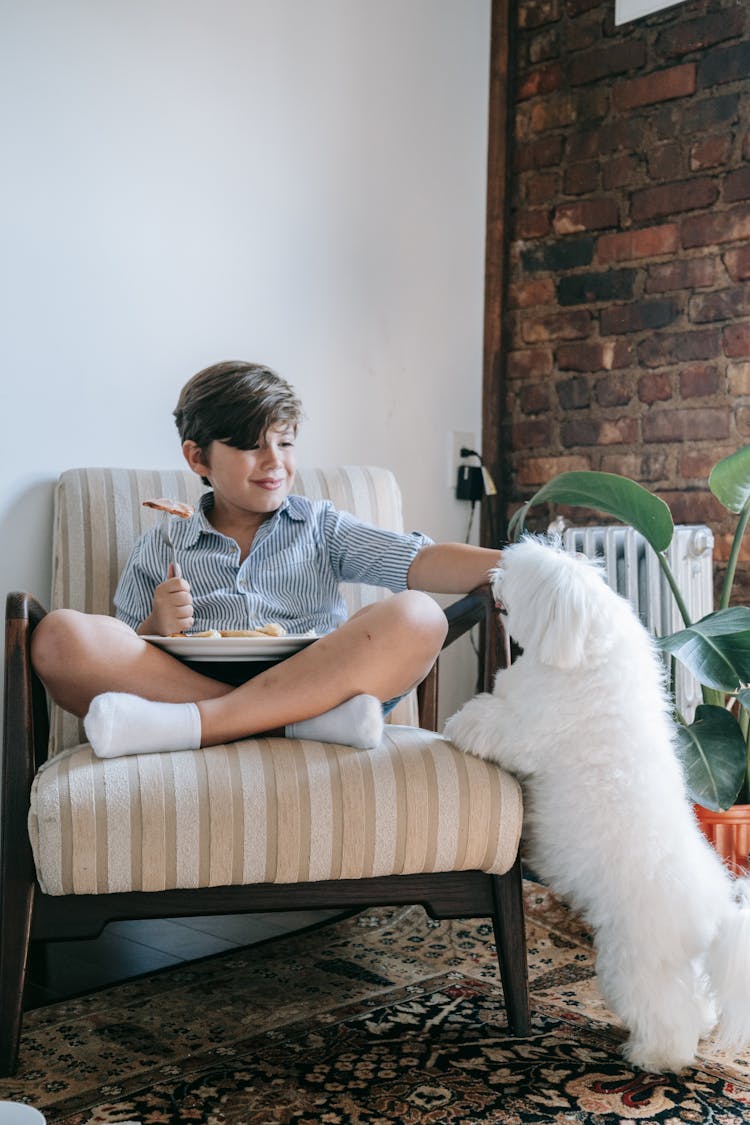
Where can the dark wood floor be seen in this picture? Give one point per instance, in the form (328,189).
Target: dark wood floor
(58,970)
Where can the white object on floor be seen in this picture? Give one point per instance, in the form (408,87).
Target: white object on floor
(19,1113)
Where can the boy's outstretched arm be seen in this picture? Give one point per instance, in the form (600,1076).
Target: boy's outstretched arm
(452,568)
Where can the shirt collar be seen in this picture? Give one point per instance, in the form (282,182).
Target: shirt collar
(186,533)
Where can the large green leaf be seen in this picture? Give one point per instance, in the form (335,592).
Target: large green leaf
(729,480)
(712,752)
(607,492)
(715,649)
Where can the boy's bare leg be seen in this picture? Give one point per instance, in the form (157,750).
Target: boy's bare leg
(383,651)
(81,655)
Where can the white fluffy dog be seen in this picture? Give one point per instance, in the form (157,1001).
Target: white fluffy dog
(583,719)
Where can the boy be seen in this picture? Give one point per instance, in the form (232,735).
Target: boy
(253,553)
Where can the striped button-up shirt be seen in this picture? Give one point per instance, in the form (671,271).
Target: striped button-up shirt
(291,574)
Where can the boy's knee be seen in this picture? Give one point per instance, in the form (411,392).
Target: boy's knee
(53,639)
(423,617)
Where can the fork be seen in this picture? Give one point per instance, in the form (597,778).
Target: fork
(166,534)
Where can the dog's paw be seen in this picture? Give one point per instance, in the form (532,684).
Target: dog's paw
(658,1058)
(454,730)
(477,729)
(470,724)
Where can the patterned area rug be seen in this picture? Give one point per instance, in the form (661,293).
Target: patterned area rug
(386,1017)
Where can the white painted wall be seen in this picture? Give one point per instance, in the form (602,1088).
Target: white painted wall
(300,182)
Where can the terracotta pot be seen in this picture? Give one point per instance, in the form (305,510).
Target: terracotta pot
(729,832)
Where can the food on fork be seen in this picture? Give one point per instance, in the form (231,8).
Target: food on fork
(174,507)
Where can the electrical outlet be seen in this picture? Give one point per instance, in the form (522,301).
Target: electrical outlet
(458,440)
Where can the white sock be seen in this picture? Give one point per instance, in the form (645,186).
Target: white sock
(118,724)
(358,722)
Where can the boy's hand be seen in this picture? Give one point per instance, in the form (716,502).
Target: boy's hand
(172,610)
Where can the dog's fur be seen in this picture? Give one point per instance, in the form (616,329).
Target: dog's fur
(583,719)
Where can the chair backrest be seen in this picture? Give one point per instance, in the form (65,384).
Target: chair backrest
(99,515)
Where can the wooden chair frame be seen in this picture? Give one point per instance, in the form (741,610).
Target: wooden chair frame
(28,915)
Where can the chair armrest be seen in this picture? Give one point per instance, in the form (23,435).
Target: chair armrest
(475,608)
(467,612)
(24,745)
(478,608)
(26,721)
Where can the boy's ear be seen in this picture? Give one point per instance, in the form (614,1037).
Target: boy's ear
(195,458)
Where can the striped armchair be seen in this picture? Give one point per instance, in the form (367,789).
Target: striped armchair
(256,825)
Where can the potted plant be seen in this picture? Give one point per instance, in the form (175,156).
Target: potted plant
(714,745)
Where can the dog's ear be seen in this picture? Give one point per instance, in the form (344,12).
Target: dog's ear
(577,621)
(558,608)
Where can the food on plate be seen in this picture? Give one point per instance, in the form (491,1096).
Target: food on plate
(272,629)
(174,507)
(204,633)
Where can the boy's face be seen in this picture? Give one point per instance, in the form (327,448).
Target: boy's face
(251,481)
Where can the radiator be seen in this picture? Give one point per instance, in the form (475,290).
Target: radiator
(632,570)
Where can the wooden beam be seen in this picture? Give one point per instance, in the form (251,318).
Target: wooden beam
(501,103)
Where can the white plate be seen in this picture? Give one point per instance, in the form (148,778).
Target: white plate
(18,1113)
(232,648)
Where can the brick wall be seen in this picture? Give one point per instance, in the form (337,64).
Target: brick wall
(629,302)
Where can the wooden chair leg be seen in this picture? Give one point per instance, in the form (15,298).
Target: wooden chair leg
(15,928)
(510,940)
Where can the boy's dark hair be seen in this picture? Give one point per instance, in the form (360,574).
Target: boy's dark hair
(235,402)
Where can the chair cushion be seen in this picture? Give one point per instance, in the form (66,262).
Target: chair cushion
(269,810)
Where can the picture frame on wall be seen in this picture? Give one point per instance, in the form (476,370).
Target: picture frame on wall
(626,10)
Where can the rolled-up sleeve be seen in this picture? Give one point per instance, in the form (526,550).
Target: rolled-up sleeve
(360,552)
